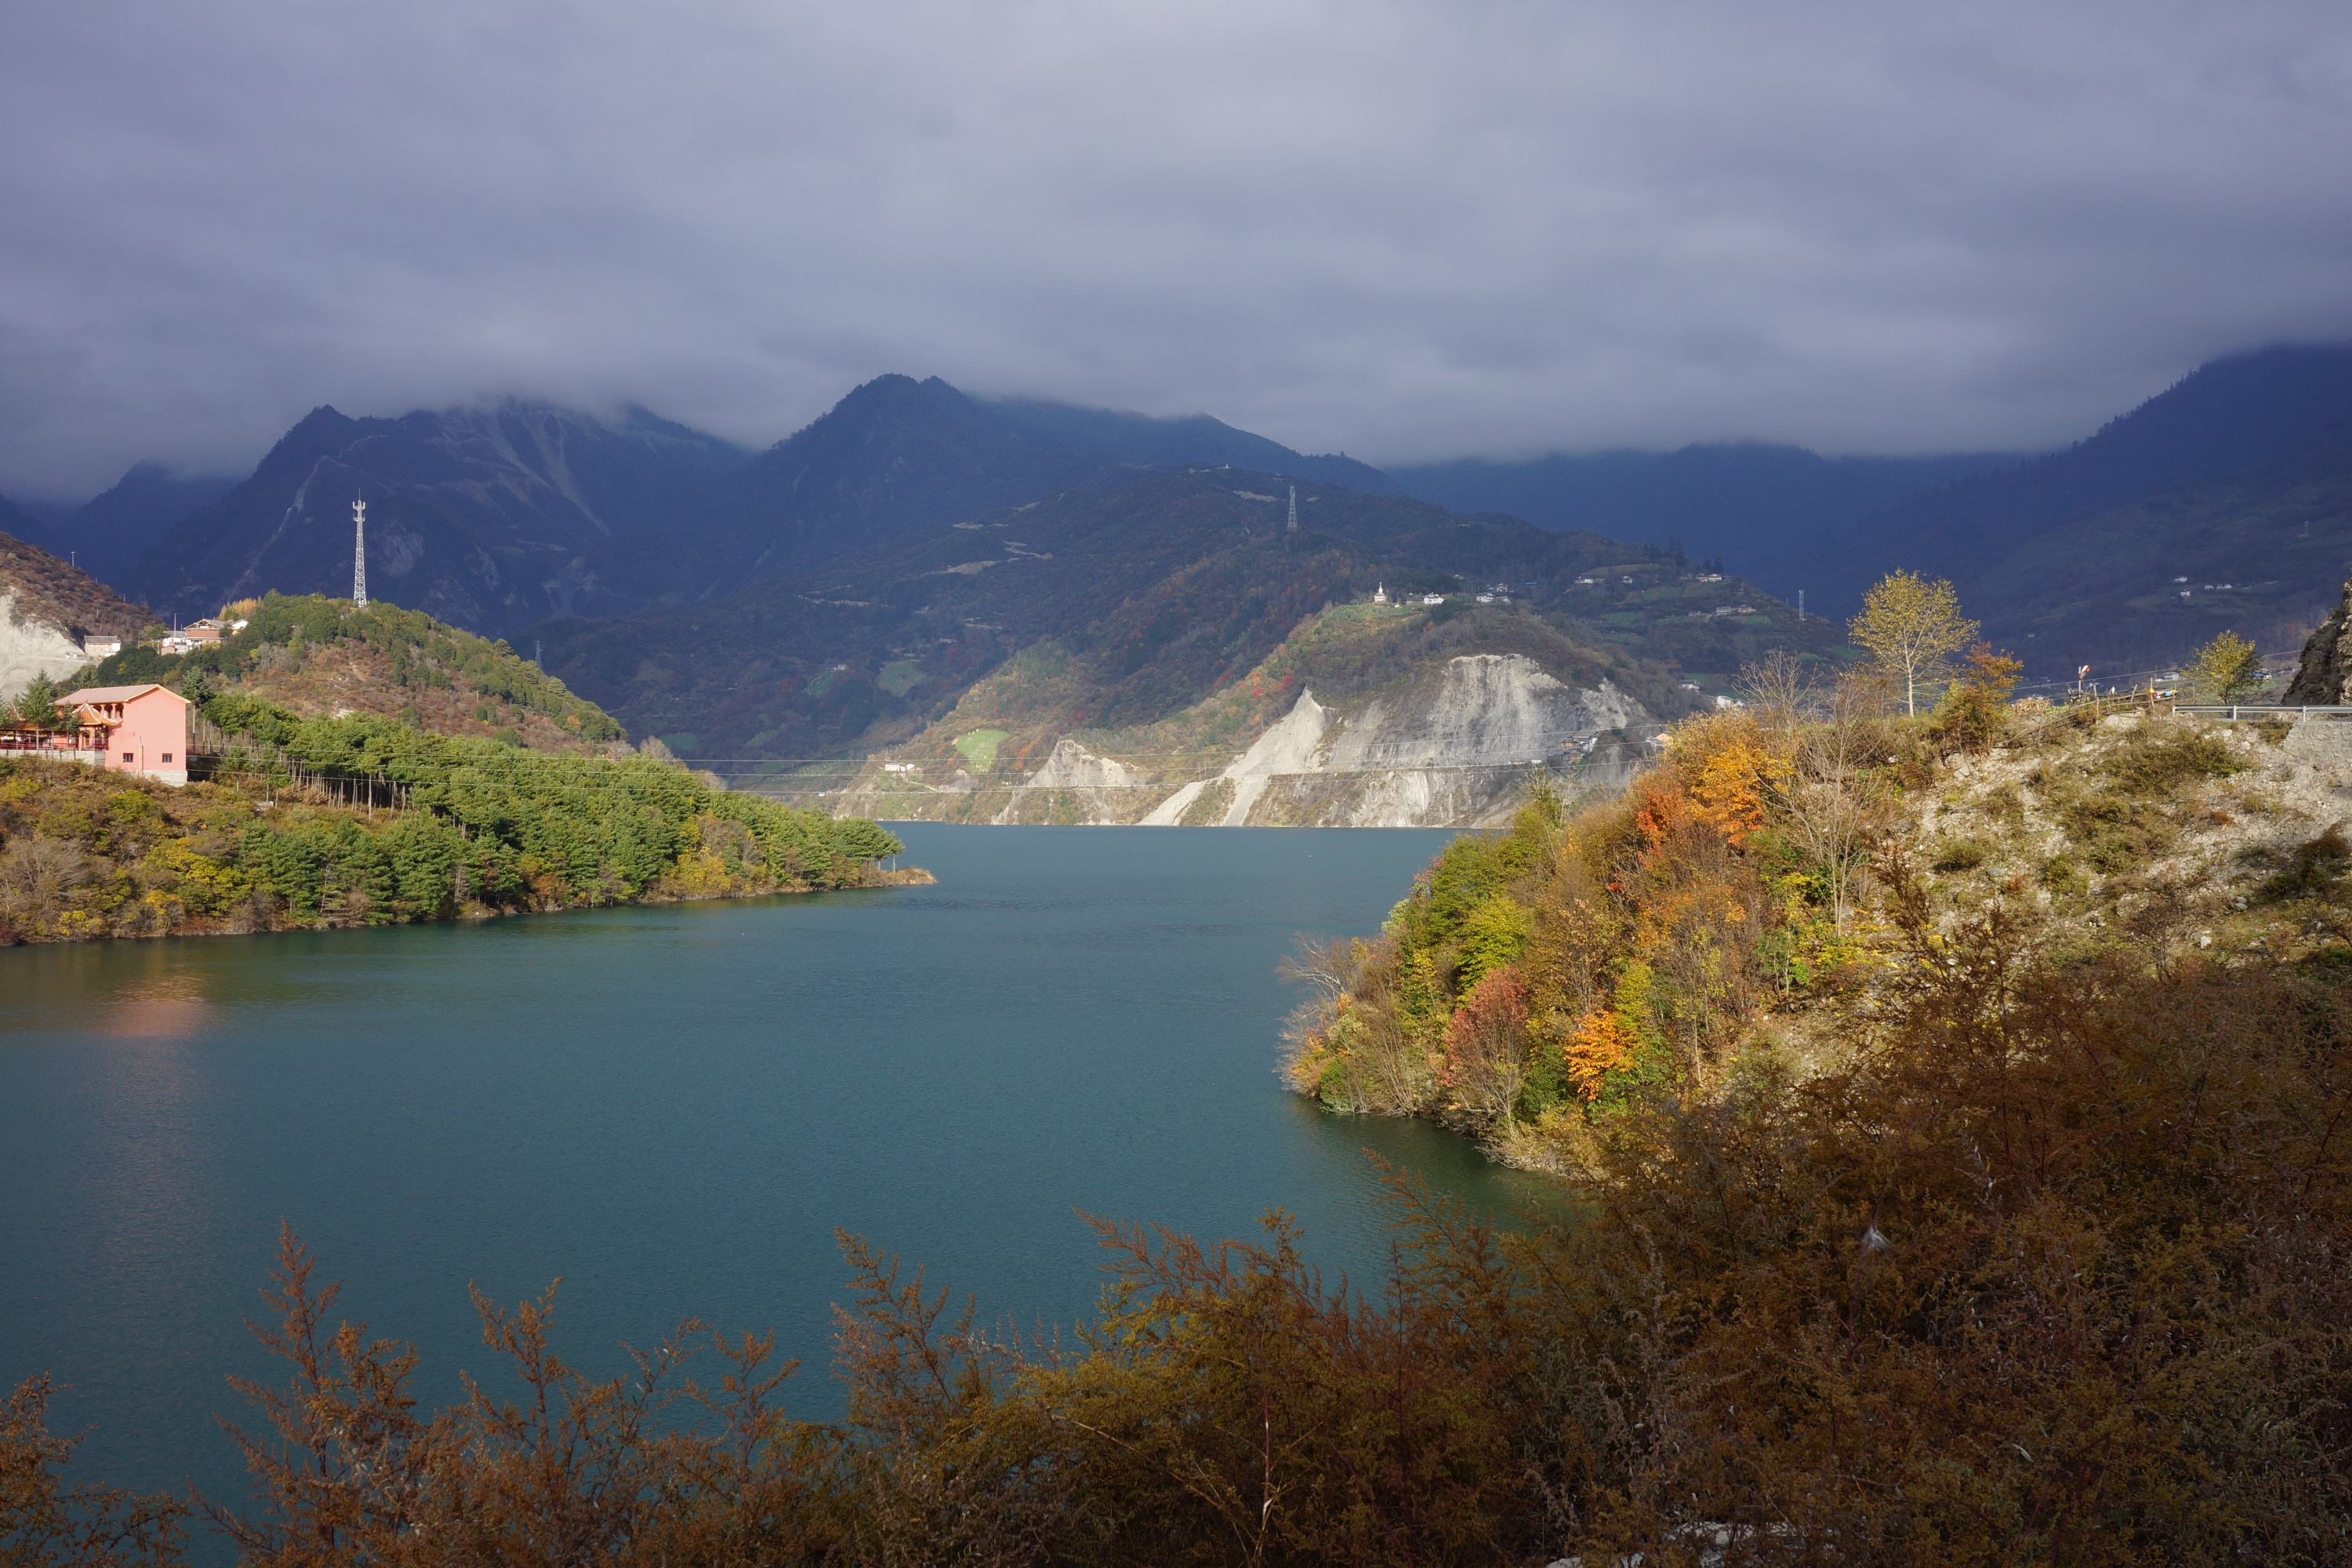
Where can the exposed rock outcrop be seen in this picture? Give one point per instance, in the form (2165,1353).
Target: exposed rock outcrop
(2324,676)
(1104,788)
(30,646)
(1460,743)
(47,607)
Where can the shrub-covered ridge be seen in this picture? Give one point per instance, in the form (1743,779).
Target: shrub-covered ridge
(320,656)
(1735,901)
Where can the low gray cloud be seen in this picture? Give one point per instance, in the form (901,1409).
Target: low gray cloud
(1407,230)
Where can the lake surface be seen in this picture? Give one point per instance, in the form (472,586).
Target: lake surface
(672,1109)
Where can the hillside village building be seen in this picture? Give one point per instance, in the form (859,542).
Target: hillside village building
(140,729)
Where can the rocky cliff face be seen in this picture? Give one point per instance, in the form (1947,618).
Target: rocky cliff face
(30,646)
(47,607)
(1460,743)
(2325,676)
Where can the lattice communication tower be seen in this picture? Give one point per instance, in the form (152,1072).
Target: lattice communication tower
(359,555)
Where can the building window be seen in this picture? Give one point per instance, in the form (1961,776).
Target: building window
(167,758)
(130,756)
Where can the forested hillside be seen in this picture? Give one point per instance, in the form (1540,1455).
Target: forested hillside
(1739,904)
(365,820)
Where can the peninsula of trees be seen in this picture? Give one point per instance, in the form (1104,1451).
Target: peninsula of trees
(350,810)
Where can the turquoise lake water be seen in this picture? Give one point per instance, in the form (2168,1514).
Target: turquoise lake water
(672,1109)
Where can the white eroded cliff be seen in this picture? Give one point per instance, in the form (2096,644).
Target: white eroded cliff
(1458,744)
(30,647)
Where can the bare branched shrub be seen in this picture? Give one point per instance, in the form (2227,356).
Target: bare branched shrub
(1832,799)
(36,873)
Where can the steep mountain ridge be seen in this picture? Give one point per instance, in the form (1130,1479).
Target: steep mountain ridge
(2228,419)
(896,457)
(481,517)
(2067,556)
(20,525)
(2131,587)
(495,517)
(1115,436)
(109,534)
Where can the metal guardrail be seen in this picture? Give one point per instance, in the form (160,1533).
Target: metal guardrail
(2231,712)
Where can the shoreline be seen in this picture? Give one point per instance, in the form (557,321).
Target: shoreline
(905,877)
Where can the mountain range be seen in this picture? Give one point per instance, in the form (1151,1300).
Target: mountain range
(686,583)
(1164,585)
(482,518)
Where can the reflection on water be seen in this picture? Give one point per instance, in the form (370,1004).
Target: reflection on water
(673,1109)
(170,1007)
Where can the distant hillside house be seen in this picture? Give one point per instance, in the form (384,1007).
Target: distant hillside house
(101,647)
(140,729)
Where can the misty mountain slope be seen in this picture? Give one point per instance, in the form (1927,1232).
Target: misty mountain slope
(20,525)
(1763,509)
(2230,417)
(2263,553)
(1162,591)
(915,620)
(1112,436)
(896,457)
(47,607)
(480,517)
(893,457)
(112,532)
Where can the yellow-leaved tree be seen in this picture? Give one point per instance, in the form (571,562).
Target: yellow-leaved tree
(1913,628)
(2225,669)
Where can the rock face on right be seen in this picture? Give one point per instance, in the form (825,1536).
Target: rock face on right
(2325,676)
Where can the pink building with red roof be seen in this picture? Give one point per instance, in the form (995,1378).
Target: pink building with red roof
(140,729)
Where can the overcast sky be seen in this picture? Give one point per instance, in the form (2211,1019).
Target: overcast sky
(1406,230)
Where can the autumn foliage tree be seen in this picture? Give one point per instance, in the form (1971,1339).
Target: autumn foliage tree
(1912,627)
(1975,708)
(2227,669)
